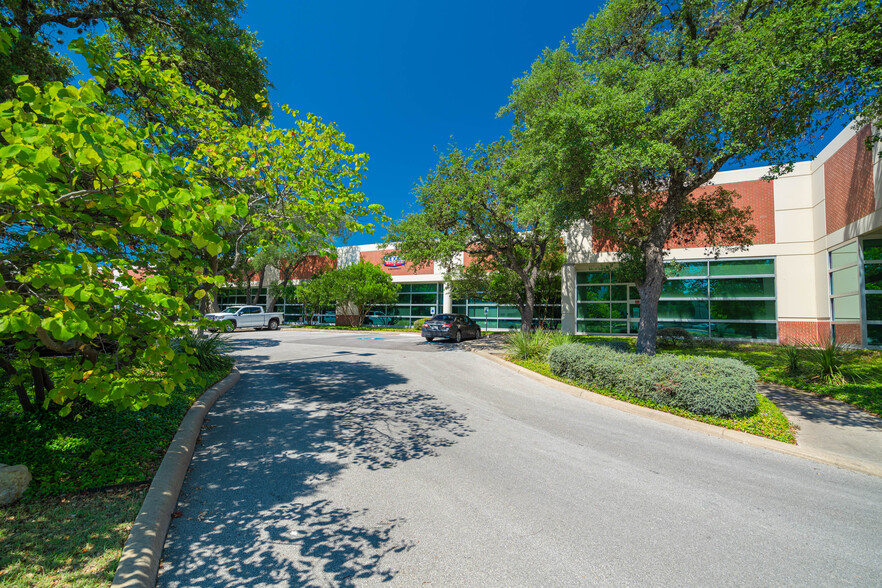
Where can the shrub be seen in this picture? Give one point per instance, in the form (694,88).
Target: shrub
(703,385)
(418,324)
(829,356)
(211,351)
(674,336)
(791,354)
(531,345)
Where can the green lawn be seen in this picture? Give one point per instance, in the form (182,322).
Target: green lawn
(767,422)
(59,534)
(73,540)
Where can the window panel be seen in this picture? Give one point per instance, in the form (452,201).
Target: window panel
(618,327)
(459,309)
(619,310)
(421,311)
(633,293)
(424,288)
(682,309)
(743,310)
(874,335)
(843,255)
(508,324)
(744,330)
(599,327)
(510,312)
(743,288)
(742,267)
(595,311)
(620,293)
(698,329)
(684,289)
(874,307)
(873,250)
(591,293)
(845,280)
(424,298)
(847,308)
(873,276)
(592,277)
(685,270)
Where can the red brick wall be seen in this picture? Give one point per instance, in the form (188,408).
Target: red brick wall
(849,333)
(312,265)
(804,331)
(376,258)
(757,195)
(848,183)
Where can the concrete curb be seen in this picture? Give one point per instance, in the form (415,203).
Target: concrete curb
(139,563)
(684,423)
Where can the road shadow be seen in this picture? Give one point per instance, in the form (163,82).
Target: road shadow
(249,512)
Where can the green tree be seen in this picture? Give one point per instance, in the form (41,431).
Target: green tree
(108,238)
(209,44)
(316,295)
(658,96)
(478,203)
(356,288)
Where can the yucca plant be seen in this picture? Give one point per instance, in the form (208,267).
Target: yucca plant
(210,351)
(527,345)
(829,356)
(791,353)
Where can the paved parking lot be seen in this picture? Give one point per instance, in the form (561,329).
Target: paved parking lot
(347,459)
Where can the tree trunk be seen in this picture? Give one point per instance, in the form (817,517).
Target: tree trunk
(650,291)
(527,308)
(20,391)
(42,384)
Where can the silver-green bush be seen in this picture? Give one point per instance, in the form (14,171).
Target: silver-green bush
(703,385)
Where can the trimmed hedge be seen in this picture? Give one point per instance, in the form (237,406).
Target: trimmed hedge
(703,385)
(614,344)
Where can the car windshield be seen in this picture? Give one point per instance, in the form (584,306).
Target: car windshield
(443,317)
(232,309)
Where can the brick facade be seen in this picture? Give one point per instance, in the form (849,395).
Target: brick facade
(848,183)
(849,333)
(794,332)
(312,265)
(377,257)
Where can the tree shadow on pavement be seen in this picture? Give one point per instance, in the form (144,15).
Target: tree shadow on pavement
(249,511)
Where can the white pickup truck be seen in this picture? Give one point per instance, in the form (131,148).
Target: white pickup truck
(234,317)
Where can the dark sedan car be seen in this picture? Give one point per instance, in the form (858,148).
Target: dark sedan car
(451,326)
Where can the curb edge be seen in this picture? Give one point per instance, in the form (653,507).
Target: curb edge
(139,563)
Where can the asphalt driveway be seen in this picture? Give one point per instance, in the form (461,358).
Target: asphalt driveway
(345,459)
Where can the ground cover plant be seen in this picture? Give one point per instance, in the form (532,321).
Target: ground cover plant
(70,540)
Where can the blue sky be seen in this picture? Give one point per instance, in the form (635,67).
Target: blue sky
(402,78)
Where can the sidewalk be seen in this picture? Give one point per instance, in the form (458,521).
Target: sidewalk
(822,424)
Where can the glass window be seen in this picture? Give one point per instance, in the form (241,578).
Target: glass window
(874,307)
(742,267)
(874,335)
(592,311)
(743,310)
(873,250)
(619,310)
(420,311)
(507,324)
(846,308)
(424,288)
(618,327)
(510,312)
(678,269)
(619,292)
(424,298)
(601,327)
(873,276)
(684,289)
(845,280)
(743,288)
(591,293)
(633,293)
(592,277)
(682,309)
(843,255)
(698,329)
(744,330)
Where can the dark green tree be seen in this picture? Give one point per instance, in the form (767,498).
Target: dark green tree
(656,97)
